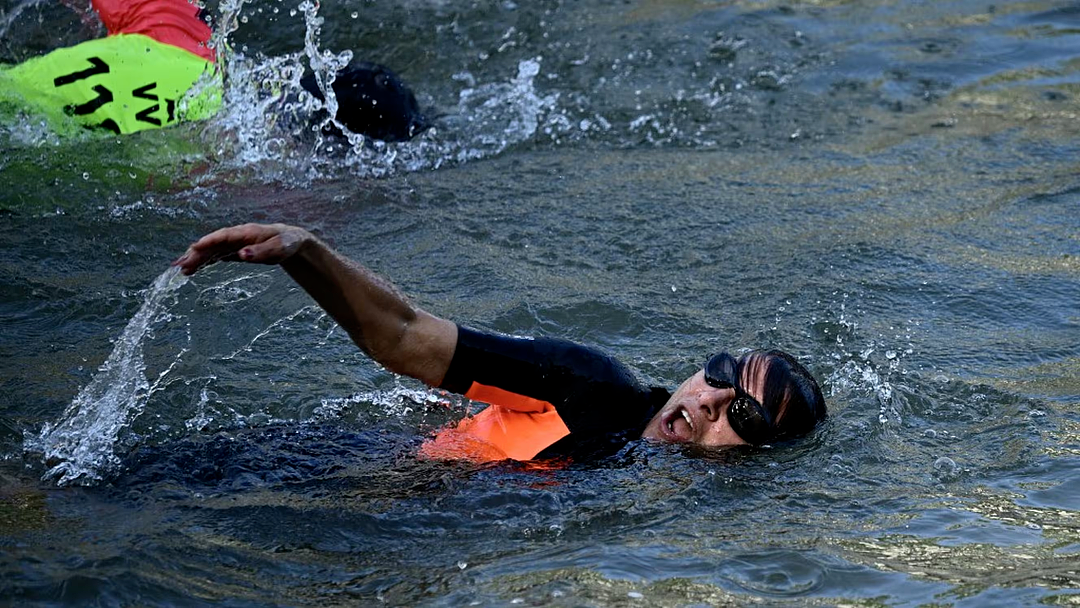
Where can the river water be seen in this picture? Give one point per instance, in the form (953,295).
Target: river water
(889,189)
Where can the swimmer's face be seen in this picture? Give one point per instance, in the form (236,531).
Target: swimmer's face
(700,412)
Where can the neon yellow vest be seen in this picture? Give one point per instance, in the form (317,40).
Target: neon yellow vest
(124,83)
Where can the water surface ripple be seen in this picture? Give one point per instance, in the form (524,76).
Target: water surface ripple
(888,189)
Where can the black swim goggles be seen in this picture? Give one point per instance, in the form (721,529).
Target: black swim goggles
(745,415)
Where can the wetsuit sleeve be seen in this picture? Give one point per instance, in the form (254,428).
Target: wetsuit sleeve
(174,22)
(590,390)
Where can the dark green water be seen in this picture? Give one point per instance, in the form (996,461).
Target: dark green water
(890,190)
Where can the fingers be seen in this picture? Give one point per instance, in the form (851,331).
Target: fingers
(270,251)
(255,243)
(191,261)
(235,237)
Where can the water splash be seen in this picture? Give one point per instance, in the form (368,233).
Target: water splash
(24,130)
(227,22)
(506,113)
(266,123)
(268,116)
(325,65)
(489,119)
(255,99)
(266,126)
(271,129)
(398,401)
(863,376)
(870,367)
(81,446)
(261,121)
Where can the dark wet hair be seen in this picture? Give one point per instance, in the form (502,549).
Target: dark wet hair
(374,101)
(791,394)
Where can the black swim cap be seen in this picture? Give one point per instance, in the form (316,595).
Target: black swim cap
(791,394)
(374,101)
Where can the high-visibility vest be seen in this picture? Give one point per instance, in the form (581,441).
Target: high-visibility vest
(124,83)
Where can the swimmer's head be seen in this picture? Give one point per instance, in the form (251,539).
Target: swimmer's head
(758,398)
(790,394)
(373,101)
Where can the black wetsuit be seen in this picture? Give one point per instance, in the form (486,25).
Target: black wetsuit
(598,399)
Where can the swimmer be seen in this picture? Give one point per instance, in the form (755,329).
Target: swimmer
(548,397)
(373,101)
(156,68)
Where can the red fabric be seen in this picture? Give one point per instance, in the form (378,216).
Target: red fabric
(173,22)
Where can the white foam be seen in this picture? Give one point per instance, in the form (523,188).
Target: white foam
(81,446)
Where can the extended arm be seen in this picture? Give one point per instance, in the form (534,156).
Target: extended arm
(402,337)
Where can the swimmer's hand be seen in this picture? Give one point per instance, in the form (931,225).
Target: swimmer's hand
(254,243)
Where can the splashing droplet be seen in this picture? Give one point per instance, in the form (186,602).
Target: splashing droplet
(79,448)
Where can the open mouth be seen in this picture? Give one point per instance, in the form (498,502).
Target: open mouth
(679,425)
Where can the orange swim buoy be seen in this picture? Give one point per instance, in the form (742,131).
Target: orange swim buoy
(513,426)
